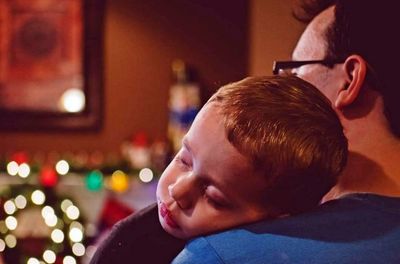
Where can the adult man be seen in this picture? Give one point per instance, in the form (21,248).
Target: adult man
(348,51)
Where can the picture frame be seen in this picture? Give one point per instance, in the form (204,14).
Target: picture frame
(51,65)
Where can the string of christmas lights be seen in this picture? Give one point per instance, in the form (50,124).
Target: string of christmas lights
(60,221)
(115,178)
(29,184)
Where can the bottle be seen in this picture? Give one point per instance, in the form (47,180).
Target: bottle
(184,104)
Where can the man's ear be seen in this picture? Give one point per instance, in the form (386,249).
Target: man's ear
(355,68)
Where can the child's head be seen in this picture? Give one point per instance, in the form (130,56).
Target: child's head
(260,148)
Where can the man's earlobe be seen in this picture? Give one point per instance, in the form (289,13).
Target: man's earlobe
(355,68)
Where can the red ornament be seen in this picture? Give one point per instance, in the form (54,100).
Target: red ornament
(48,177)
(20,157)
(113,211)
(140,139)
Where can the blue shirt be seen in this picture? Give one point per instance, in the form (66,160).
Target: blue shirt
(358,228)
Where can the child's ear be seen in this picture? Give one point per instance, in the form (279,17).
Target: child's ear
(355,68)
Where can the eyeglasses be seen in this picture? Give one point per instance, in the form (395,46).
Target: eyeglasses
(283,66)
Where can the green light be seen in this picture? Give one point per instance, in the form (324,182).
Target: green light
(94,180)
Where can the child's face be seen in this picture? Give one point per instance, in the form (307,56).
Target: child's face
(209,185)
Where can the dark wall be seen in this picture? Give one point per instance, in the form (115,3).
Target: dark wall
(141,40)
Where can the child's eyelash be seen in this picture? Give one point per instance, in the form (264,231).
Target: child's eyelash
(210,200)
(182,161)
(213,203)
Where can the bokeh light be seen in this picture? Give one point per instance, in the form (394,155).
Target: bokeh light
(20,201)
(12,168)
(62,167)
(24,170)
(11,241)
(69,260)
(94,180)
(9,207)
(65,204)
(72,212)
(11,222)
(33,261)
(119,181)
(146,175)
(78,249)
(73,100)
(75,234)
(57,236)
(49,256)
(38,197)
(2,245)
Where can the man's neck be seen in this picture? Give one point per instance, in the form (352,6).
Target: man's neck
(374,162)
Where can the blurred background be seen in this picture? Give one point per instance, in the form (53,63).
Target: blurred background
(136,73)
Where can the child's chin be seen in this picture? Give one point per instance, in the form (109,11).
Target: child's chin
(178,233)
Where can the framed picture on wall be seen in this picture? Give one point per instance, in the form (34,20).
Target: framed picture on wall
(51,64)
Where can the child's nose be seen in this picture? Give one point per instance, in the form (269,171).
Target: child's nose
(183,191)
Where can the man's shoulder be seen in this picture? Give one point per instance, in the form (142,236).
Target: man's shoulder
(358,228)
(133,237)
(198,251)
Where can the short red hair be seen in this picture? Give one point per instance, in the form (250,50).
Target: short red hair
(289,132)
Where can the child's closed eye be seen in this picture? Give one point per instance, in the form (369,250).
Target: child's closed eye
(183,162)
(214,203)
(214,197)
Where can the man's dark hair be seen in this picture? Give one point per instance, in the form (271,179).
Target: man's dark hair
(366,28)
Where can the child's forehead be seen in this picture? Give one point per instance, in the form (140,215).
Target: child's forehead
(207,140)
(213,107)
(214,112)
(210,112)
(217,160)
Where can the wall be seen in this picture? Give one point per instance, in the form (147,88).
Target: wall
(224,40)
(273,34)
(141,40)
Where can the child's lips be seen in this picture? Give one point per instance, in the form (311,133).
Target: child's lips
(166,214)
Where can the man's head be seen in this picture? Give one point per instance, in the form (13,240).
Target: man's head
(361,37)
(261,147)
